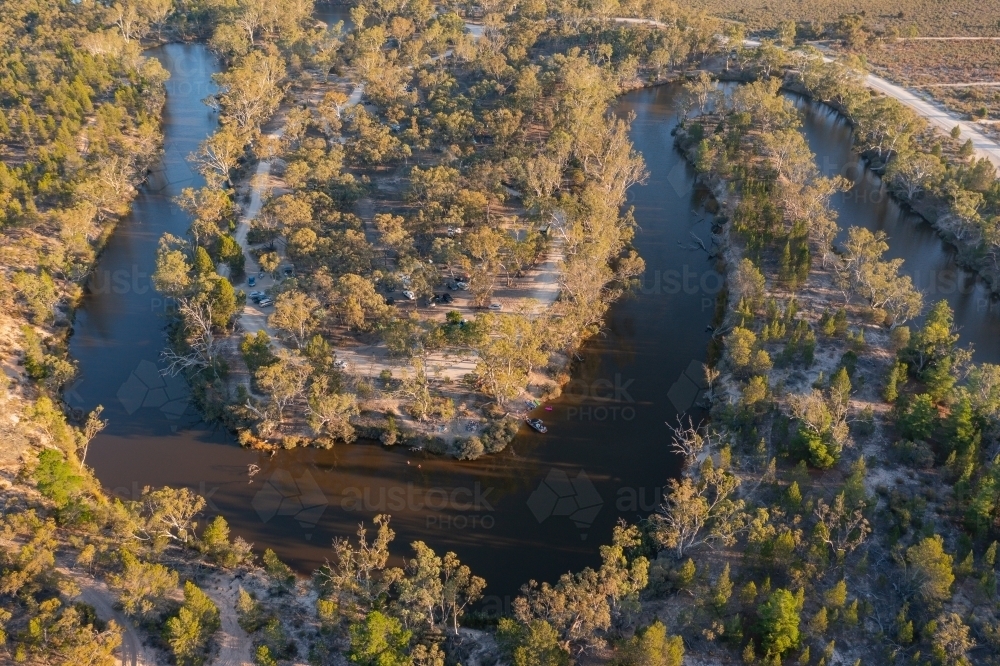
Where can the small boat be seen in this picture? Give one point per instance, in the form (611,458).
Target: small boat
(537,425)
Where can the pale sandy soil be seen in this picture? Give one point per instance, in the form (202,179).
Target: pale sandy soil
(235,647)
(93,592)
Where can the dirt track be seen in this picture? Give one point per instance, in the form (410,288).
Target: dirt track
(95,593)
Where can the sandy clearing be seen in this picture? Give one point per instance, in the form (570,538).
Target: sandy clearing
(96,593)
(235,645)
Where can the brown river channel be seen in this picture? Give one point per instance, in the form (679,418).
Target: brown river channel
(543,506)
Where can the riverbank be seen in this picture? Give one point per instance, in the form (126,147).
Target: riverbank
(799,421)
(929,206)
(367,365)
(811,302)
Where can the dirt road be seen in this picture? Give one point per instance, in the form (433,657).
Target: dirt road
(95,593)
(939,117)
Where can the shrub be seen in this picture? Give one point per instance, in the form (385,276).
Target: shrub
(470,449)
(932,569)
(779,623)
(57,479)
(279,572)
(918,418)
(534,644)
(498,434)
(918,454)
(653,646)
(816,449)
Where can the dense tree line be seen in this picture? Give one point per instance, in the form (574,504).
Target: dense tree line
(775,419)
(79,124)
(515,120)
(940,176)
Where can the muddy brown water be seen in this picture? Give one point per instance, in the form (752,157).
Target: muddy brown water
(539,509)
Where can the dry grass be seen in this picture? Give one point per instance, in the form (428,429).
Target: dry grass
(920,63)
(931,17)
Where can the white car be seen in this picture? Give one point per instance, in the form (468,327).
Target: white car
(409,295)
(496,307)
(462,285)
(265,303)
(340,364)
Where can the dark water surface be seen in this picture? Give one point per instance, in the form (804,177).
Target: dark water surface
(543,506)
(331,14)
(927,259)
(538,510)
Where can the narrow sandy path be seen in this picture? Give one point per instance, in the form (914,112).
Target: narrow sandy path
(96,593)
(254,318)
(235,646)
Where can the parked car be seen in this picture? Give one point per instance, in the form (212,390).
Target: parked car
(496,307)
(409,295)
(288,270)
(252,281)
(266,302)
(462,285)
(446,298)
(340,364)
(390,301)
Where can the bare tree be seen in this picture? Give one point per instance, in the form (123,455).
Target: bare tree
(700,512)
(843,529)
(358,577)
(93,426)
(131,23)
(688,440)
(201,342)
(711,376)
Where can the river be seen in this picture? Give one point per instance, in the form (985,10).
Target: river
(536,511)
(927,258)
(539,509)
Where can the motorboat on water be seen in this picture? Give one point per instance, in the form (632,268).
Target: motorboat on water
(537,425)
